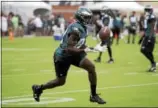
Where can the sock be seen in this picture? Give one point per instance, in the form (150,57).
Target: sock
(109,52)
(93,90)
(149,56)
(100,54)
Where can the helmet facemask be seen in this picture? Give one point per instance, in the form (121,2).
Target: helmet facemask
(86,19)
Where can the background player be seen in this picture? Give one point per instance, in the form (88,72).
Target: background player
(132,27)
(117,26)
(72,51)
(106,20)
(149,37)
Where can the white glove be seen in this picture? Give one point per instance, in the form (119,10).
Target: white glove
(100,48)
(87,49)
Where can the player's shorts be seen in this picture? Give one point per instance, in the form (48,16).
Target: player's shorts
(107,42)
(116,31)
(148,45)
(132,30)
(63,63)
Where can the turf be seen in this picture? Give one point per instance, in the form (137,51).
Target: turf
(27,61)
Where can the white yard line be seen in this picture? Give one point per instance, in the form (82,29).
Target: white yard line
(17,69)
(73,71)
(155,75)
(29,101)
(50,101)
(86,90)
(131,73)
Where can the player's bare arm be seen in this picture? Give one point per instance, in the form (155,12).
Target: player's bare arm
(98,23)
(72,42)
(153,21)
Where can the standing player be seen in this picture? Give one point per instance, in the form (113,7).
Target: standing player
(117,26)
(72,51)
(148,41)
(133,27)
(106,20)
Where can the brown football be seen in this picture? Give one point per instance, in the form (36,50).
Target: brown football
(104,33)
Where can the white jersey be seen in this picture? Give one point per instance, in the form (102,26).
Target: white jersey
(4,24)
(107,20)
(57,30)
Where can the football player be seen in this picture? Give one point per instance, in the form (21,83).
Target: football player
(106,20)
(72,51)
(148,40)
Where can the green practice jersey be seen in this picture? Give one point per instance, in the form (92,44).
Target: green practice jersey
(64,43)
(148,25)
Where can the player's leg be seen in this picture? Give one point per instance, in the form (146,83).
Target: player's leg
(100,53)
(114,33)
(99,57)
(61,68)
(118,35)
(134,36)
(129,35)
(111,60)
(89,66)
(147,50)
(152,60)
(128,39)
(82,62)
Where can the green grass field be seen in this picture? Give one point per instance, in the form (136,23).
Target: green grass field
(27,61)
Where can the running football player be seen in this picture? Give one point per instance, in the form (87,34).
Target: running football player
(72,51)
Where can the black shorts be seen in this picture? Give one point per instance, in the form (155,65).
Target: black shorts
(131,31)
(148,45)
(107,42)
(62,64)
(116,31)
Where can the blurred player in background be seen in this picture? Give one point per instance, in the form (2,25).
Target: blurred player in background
(132,27)
(141,24)
(149,38)
(72,51)
(117,26)
(106,20)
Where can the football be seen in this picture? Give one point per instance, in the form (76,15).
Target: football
(104,33)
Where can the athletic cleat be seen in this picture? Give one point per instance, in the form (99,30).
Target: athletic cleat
(36,92)
(97,99)
(153,68)
(97,60)
(110,61)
